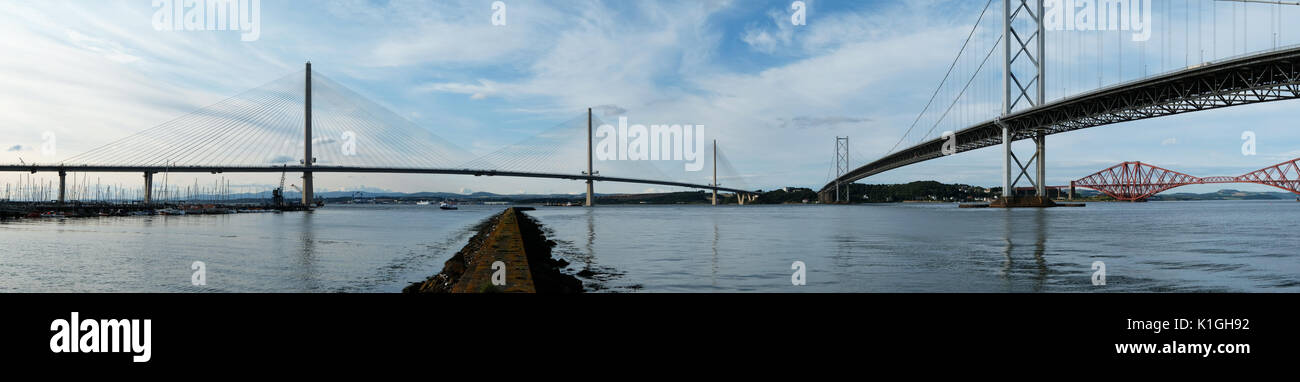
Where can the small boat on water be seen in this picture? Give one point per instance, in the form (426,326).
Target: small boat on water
(423,203)
(446,206)
(171,211)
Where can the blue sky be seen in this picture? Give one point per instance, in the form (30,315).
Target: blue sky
(773,94)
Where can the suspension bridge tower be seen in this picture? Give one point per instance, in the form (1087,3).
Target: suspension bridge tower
(841,167)
(1023,69)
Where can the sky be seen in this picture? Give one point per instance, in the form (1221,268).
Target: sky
(773,94)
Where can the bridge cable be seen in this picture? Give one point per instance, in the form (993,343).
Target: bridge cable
(83,157)
(963,89)
(945,76)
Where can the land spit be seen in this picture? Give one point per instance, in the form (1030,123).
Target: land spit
(509,253)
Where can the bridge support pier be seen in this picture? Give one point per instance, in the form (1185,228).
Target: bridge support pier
(148,187)
(1040,148)
(63,182)
(715,172)
(308,195)
(1007,189)
(591,201)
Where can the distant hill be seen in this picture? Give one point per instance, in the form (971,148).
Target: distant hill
(868,193)
(787,195)
(683,197)
(1226,195)
(348,195)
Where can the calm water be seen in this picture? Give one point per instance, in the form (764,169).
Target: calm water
(1157,246)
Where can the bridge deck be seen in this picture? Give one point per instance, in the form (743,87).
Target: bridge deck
(344,169)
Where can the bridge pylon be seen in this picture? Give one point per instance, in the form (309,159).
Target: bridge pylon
(307,189)
(1023,44)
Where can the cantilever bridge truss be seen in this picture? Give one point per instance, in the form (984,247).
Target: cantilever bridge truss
(1135,181)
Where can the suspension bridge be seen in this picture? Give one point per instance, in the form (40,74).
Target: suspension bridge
(308,123)
(1245,70)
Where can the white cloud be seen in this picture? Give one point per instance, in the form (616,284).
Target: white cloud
(767,38)
(481,90)
(596,64)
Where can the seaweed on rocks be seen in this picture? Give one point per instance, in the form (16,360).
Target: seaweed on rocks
(547,271)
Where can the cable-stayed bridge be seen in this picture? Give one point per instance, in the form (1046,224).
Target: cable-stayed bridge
(993,106)
(308,123)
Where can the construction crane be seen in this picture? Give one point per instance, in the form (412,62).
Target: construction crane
(277,195)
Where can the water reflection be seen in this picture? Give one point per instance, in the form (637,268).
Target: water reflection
(1040,247)
(590,256)
(1037,223)
(1007,248)
(307,272)
(353,248)
(715,251)
(877,248)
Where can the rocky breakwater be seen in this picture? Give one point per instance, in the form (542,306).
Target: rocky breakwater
(509,254)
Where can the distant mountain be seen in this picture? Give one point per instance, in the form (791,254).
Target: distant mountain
(485,196)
